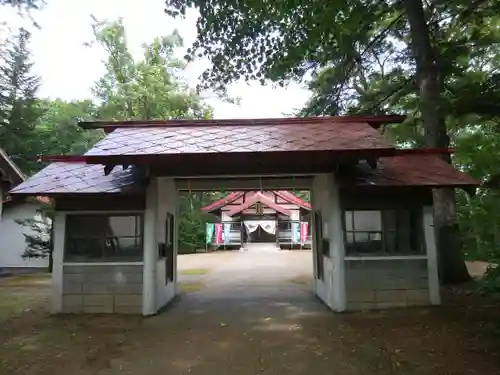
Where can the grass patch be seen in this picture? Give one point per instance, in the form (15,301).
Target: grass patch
(11,305)
(190,287)
(194,271)
(26,280)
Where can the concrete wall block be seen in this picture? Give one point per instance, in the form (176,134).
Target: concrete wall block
(73,277)
(70,287)
(101,288)
(360,295)
(104,269)
(128,300)
(97,300)
(114,278)
(91,277)
(401,283)
(75,309)
(359,306)
(395,295)
(104,309)
(418,283)
(384,283)
(72,269)
(72,304)
(390,305)
(135,310)
(131,278)
(418,296)
(125,289)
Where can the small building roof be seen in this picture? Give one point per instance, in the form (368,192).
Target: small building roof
(69,178)
(408,170)
(258,197)
(292,198)
(232,197)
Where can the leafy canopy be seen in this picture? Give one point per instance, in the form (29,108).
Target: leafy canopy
(149,88)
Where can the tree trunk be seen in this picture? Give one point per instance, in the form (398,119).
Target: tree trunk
(452,267)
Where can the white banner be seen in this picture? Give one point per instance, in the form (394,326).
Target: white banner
(268,225)
(251,226)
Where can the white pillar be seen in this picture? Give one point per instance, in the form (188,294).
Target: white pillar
(337,245)
(167,203)
(177,217)
(1,201)
(314,242)
(150,244)
(59,231)
(432,260)
(326,200)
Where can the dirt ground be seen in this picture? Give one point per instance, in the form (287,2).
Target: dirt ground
(247,313)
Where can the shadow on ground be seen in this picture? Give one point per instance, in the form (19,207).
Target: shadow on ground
(242,324)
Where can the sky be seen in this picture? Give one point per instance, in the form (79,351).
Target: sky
(68,68)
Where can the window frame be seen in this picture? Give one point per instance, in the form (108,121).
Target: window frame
(104,258)
(415,232)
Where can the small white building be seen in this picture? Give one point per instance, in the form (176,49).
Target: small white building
(12,239)
(274,217)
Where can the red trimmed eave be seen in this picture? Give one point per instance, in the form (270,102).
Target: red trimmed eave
(43,200)
(223,201)
(258,197)
(146,158)
(292,198)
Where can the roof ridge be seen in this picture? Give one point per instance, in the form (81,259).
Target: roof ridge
(258,197)
(372,120)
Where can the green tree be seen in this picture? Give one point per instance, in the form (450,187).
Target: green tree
(151,88)
(39,237)
(19,112)
(23,4)
(291,40)
(193,220)
(468,50)
(57,131)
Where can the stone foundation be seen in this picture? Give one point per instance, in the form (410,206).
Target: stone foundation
(379,284)
(102,289)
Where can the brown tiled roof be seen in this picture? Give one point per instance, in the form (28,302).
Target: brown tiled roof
(202,139)
(69,178)
(403,170)
(409,170)
(312,145)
